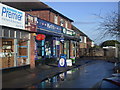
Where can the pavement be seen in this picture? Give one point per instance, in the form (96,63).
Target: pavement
(27,77)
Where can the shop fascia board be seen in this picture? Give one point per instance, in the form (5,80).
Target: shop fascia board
(71,37)
(48,31)
(17,29)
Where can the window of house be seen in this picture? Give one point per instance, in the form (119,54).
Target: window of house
(66,24)
(61,22)
(55,19)
(85,39)
(81,38)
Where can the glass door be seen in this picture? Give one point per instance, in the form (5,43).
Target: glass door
(22,52)
(48,49)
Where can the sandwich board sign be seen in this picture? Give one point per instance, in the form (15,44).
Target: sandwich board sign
(62,61)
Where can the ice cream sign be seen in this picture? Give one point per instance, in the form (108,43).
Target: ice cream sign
(12,17)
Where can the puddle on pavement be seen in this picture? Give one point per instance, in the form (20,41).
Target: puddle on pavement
(78,77)
(57,80)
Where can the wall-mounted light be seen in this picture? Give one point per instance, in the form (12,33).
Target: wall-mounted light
(62,38)
(34,34)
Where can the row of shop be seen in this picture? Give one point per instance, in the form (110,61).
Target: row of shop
(33,39)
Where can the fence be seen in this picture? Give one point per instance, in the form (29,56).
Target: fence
(99,53)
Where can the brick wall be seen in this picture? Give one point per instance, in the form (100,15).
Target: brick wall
(83,45)
(32,52)
(40,14)
(61,48)
(71,48)
(49,16)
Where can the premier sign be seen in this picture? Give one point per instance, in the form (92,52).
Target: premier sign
(11,17)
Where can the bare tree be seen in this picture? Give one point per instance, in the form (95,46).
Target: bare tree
(109,25)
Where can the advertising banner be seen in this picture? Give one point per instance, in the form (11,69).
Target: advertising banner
(11,17)
(42,24)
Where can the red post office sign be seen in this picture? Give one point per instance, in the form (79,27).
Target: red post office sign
(40,37)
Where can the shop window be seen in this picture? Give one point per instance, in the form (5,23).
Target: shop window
(65,50)
(54,47)
(22,52)
(7,45)
(81,38)
(61,22)
(85,40)
(55,19)
(6,33)
(7,53)
(40,49)
(66,24)
(26,19)
(74,49)
(1,31)
(17,34)
(48,49)
(24,35)
(12,33)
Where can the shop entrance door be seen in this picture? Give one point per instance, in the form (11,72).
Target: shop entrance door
(48,49)
(22,55)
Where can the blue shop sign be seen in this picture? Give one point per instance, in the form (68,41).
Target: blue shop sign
(42,24)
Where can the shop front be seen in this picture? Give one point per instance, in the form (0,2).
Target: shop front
(14,48)
(70,44)
(49,47)
(15,40)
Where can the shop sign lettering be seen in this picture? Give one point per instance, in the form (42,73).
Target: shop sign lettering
(11,17)
(42,24)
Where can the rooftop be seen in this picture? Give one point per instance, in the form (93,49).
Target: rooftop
(32,6)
